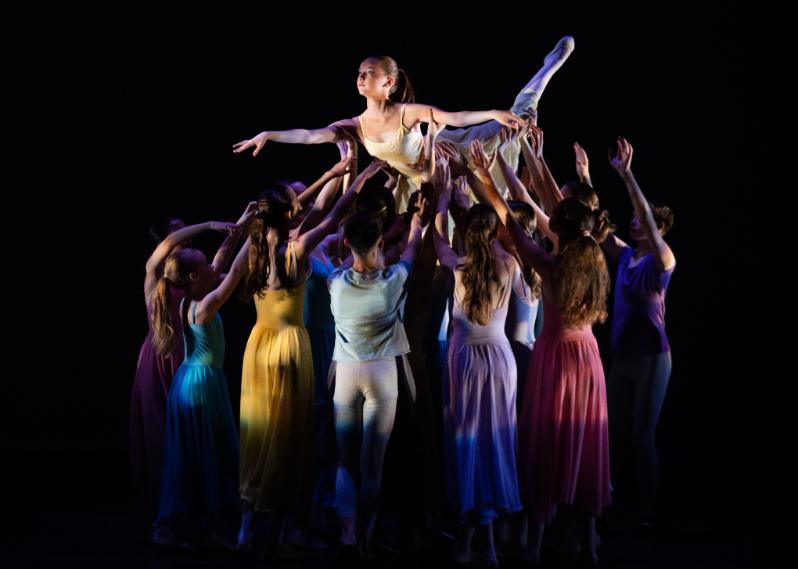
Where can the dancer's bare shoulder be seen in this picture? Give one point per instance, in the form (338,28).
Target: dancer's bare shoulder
(347,128)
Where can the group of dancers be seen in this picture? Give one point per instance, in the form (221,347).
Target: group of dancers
(426,291)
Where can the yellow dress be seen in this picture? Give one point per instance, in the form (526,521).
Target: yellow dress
(277,401)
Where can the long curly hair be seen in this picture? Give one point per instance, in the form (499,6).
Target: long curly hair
(581,279)
(273,206)
(479,270)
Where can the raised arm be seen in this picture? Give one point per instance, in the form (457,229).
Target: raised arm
(210,304)
(527,248)
(460,204)
(622,162)
(543,183)
(517,189)
(341,168)
(308,240)
(415,237)
(582,165)
(443,183)
(154,264)
(225,252)
(331,133)
(332,181)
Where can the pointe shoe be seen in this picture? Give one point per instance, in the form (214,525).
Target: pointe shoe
(561,51)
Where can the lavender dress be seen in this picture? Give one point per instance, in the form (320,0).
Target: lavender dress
(480,416)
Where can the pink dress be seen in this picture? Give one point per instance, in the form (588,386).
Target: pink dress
(562,428)
(154,373)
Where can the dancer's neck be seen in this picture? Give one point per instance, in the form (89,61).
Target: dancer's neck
(378,106)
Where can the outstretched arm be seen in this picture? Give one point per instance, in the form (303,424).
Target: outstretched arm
(294,136)
(424,113)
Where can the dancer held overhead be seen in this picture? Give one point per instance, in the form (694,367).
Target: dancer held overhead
(389,128)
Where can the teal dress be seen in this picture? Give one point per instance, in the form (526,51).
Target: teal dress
(200,470)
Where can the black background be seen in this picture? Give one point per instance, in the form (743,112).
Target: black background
(166,103)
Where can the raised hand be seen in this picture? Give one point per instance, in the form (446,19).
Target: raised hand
(459,193)
(622,159)
(508,136)
(422,208)
(526,177)
(533,117)
(343,166)
(443,178)
(481,160)
(535,135)
(248,215)
(582,163)
(449,152)
(446,151)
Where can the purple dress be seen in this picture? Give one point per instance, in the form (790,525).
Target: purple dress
(479,415)
(154,373)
